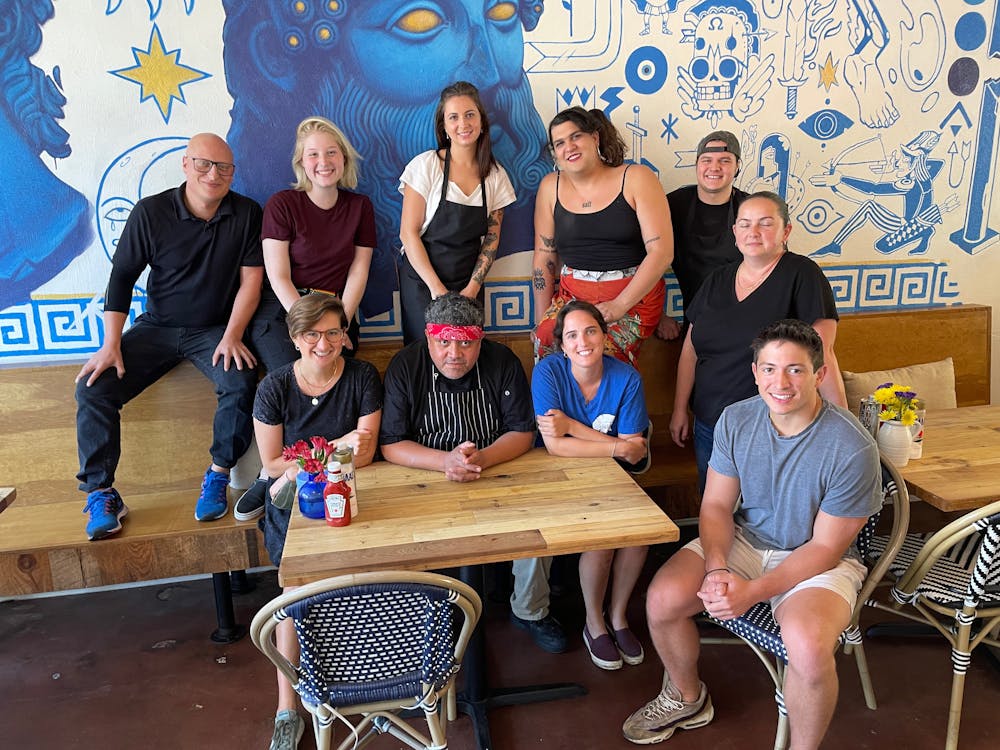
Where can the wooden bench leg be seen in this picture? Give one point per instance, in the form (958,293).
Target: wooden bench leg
(228,631)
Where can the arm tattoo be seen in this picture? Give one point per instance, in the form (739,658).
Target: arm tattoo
(549,244)
(538,279)
(488,253)
(486,258)
(652,239)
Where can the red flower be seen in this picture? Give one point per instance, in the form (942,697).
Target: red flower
(313,466)
(321,448)
(311,456)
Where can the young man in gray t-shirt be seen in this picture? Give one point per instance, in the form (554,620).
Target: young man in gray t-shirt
(809,478)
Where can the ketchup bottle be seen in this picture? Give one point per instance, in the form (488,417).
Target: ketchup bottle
(336,497)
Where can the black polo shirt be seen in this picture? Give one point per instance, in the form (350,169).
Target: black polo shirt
(194,264)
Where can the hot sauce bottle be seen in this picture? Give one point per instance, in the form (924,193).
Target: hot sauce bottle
(336,497)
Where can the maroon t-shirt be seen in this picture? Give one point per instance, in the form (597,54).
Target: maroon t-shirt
(321,241)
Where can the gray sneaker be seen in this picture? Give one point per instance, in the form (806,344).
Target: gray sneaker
(657,720)
(288,729)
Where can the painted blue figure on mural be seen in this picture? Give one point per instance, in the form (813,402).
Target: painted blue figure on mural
(908,174)
(655,9)
(726,75)
(376,69)
(44,223)
(774,170)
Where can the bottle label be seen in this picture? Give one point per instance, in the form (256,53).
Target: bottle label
(336,505)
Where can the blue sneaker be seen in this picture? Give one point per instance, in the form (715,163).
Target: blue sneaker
(106,511)
(212,502)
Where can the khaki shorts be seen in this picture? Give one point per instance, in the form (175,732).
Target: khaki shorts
(749,562)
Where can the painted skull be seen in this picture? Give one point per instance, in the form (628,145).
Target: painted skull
(720,59)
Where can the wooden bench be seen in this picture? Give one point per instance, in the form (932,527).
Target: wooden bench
(166,433)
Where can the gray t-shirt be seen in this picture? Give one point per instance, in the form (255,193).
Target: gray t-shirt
(832,465)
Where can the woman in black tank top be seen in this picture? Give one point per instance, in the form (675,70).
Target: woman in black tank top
(602,234)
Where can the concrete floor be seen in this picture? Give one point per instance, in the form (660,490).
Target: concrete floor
(134,668)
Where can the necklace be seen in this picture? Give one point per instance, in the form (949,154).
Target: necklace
(749,286)
(321,388)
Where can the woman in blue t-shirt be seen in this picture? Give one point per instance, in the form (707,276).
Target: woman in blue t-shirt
(590,404)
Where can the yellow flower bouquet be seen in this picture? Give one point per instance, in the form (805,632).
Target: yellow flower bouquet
(896,403)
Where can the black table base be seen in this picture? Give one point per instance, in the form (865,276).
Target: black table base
(476,699)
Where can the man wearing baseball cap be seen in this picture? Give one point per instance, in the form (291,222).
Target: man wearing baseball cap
(703,216)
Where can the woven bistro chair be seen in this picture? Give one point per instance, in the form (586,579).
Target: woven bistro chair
(758,629)
(373,645)
(951,580)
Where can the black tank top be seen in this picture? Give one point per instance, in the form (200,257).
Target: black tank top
(606,240)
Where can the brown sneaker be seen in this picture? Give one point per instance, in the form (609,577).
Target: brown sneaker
(657,720)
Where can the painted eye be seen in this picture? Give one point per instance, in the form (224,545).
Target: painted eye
(825,124)
(502,12)
(119,213)
(419,21)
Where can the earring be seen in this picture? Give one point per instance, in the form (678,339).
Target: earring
(601,155)
(297,348)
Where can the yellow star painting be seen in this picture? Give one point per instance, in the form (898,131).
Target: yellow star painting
(828,73)
(160,74)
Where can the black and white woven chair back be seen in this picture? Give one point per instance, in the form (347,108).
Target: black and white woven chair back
(967,573)
(375,642)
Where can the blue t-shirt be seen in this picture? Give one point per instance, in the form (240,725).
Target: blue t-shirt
(618,408)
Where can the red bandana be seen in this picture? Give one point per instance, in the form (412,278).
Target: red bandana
(453,333)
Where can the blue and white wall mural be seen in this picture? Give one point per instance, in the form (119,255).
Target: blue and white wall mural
(876,120)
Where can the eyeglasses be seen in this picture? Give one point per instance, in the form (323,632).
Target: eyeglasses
(333,335)
(204,166)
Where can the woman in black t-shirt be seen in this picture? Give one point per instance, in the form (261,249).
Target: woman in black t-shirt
(321,393)
(732,306)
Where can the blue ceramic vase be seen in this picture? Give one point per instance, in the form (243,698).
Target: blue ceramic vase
(310,494)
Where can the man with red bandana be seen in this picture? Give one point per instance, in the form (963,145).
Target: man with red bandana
(458,403)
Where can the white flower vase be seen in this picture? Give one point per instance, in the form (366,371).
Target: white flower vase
(894,440)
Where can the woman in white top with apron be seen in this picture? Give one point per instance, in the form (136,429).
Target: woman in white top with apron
(453,203)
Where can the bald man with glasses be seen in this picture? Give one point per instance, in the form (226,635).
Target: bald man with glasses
(201,244)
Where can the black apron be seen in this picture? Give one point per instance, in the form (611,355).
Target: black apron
(453,239)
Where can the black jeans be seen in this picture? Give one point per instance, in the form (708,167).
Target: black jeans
(149,351)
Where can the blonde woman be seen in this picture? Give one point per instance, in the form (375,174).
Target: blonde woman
(317,237)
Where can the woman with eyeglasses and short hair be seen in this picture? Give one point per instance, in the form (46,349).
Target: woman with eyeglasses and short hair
(320,393)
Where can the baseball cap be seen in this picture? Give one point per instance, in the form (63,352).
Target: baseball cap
(731,141)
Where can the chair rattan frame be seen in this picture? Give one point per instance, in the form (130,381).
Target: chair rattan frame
(381,716)
(970,619)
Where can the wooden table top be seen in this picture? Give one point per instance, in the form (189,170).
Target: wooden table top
(534,506)
(960,466)
(7,495)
